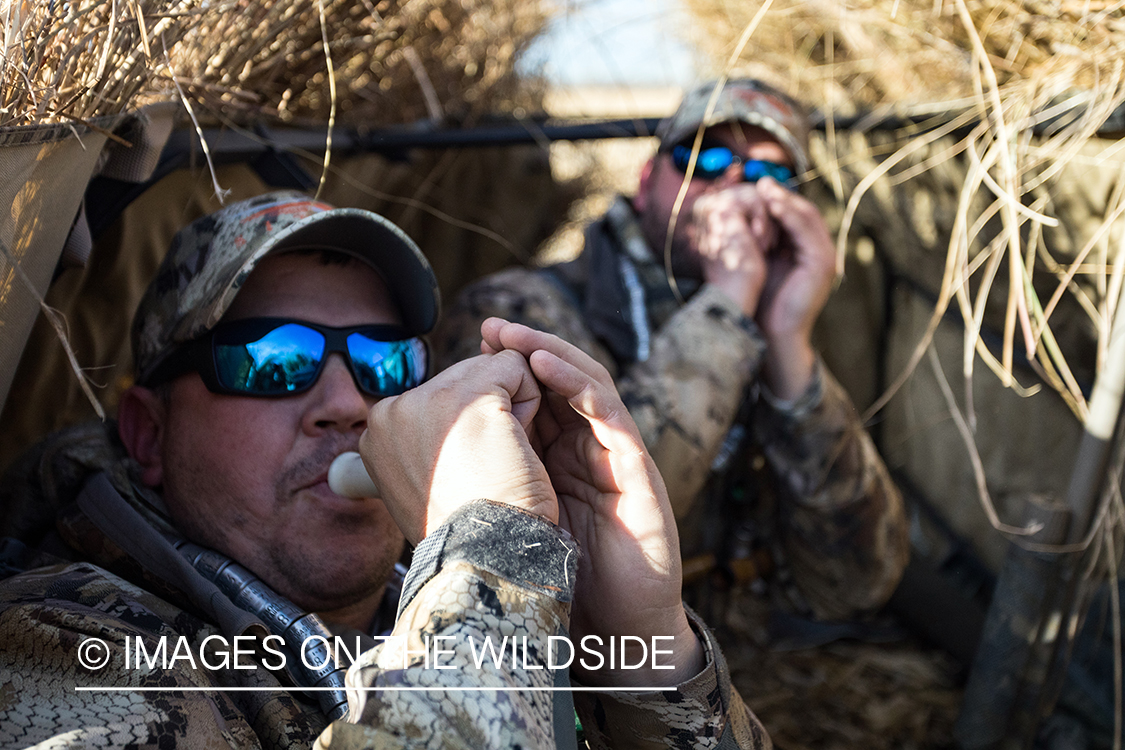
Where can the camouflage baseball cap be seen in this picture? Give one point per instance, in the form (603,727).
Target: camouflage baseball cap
(743,100)
(211,258)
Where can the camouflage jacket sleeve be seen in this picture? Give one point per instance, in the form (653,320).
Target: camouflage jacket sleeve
(843,523)
(705,711)
(684,398)
(490,583)
(686,395)
(491,577)
(66,681)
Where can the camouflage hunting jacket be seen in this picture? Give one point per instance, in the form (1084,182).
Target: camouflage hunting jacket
(804,474)
(72,634)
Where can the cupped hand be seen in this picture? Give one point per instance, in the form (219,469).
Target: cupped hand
(731,233)
(801,272)
(462,436)
(612,499)
(802,263)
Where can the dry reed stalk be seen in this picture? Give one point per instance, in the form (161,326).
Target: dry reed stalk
(864,54)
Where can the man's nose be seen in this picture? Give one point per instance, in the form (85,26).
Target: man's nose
(335,402)
(731,176)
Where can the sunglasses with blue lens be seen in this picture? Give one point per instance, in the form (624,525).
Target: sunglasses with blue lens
(282,356)
(713,161)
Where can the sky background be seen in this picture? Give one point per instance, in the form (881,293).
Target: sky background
(623,42)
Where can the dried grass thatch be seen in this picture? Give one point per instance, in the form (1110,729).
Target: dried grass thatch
(393,61)
(77,61)
(865,54)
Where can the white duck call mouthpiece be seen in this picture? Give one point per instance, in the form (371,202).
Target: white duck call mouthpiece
(348,476)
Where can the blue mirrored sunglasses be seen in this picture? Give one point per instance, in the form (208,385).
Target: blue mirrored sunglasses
(283,356)
(713,161)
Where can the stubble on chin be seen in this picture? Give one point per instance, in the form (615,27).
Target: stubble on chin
(330,560)
(339,565)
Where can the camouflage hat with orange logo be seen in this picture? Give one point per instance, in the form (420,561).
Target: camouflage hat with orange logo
(741,100)
(211,258)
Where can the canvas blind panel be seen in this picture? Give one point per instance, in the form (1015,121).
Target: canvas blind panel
(43,176)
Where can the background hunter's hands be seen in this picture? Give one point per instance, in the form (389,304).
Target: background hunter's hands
(768,249)
(732,233)
(612,499)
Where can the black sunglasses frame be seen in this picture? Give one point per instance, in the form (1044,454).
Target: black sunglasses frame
(198,355)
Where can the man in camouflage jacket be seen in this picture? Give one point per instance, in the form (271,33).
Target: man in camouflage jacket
(731,373)
(131,538)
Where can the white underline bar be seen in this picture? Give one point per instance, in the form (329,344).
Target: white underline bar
(403,688)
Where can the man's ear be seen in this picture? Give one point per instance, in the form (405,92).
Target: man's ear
(141,418)
(640,200)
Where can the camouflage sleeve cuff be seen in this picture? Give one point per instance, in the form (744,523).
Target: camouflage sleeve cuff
(500,581)
(819,450)
(508,542)
(797,409)
(704,711)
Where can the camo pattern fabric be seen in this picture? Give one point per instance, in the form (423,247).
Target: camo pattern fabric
(465,605)
(47,616)
(461,614)
(844,523)
(454,631)
(841,520)
(49,475)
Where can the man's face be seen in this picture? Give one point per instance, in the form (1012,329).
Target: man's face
(248,476)
(661,182)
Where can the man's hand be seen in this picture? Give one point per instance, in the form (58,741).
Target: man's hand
(731,233)
(802,268)
(769,250)
(459,437)
(612,499)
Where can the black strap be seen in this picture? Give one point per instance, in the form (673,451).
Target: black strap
(119,521)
